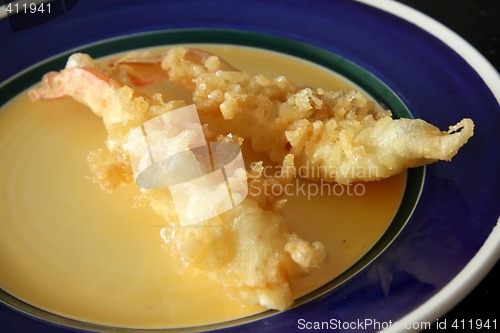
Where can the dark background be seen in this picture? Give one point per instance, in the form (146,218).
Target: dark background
(478,22)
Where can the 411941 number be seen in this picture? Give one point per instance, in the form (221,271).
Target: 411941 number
(474,324)
(27,8)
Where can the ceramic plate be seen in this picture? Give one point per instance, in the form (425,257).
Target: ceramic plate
(443,239)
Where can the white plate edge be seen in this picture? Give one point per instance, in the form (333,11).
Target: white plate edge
(489,253)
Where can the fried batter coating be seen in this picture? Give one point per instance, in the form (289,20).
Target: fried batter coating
(249,249)
(334,136)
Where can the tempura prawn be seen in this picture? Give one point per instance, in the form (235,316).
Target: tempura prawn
(336,136)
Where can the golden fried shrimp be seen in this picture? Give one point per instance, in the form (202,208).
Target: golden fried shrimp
(249,249)
(334,136)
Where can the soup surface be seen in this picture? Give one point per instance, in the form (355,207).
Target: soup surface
(70,248)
